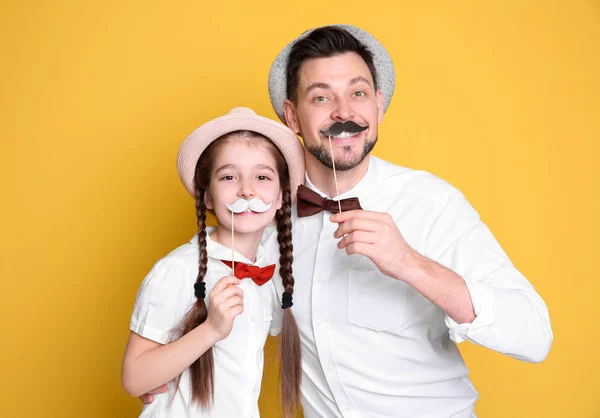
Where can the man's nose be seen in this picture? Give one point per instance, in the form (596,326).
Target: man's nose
(342,111)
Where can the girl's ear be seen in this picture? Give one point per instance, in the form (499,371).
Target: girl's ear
(208,200)
(279,200)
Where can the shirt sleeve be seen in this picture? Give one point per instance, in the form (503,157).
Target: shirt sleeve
(276,291)
(277,322)
(511,317)
(271,247)
(165,296)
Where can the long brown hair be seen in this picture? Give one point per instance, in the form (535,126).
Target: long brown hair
(202,370)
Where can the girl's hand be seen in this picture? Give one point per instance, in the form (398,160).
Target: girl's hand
(226,301)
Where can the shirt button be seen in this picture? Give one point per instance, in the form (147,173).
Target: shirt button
(330,366)
(251,319)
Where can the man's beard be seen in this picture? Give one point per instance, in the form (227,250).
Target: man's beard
(321,153)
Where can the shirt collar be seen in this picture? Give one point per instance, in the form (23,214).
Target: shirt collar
(360,189)
(221,252)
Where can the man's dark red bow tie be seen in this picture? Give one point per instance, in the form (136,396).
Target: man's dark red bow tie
(259,275)
(311,203)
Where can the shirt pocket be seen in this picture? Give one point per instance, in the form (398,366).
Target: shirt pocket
(267,316)
(376,301)
(267,320)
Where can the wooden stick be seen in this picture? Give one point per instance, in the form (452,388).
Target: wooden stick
(232,246)
(335,176)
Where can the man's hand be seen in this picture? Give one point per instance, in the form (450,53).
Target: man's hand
(148,398)
(375,235)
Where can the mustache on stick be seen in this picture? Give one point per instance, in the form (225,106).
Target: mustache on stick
(339,127)
(242,205)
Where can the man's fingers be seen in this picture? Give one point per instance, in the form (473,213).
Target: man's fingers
(360,248)
(358,214)
(148,398)
(356,237)
(356,225)
(160,389)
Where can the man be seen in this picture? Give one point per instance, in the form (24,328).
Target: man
(383,294)
(420,271)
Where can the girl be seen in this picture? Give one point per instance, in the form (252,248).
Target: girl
(196,324)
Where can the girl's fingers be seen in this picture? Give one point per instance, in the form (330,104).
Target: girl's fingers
(224,282)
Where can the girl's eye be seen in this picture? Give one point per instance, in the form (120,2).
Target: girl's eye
(228,177)
(263,178)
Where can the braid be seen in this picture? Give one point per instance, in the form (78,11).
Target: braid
(284,237)
(289,349)
(201,215)
(202,379)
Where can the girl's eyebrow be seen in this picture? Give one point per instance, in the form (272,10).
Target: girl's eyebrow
(234,166)
(265,167)
(226,167)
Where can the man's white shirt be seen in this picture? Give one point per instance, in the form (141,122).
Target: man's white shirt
(372,346)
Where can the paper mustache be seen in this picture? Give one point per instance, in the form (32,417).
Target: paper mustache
(339,127)
(242,205)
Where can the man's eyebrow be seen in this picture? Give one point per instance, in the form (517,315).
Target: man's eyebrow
(317,85)
(320,85)
(358,79)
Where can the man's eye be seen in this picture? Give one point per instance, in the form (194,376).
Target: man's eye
(320,99)
(360,94)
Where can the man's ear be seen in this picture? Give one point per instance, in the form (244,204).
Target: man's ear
(380,110)
(208,202)
(289,112)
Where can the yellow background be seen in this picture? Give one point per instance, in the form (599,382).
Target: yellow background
(499,98)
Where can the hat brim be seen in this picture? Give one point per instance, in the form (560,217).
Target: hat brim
(384,66)
(284,138)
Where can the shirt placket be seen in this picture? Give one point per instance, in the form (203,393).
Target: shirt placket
(326,250)
(250,357)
